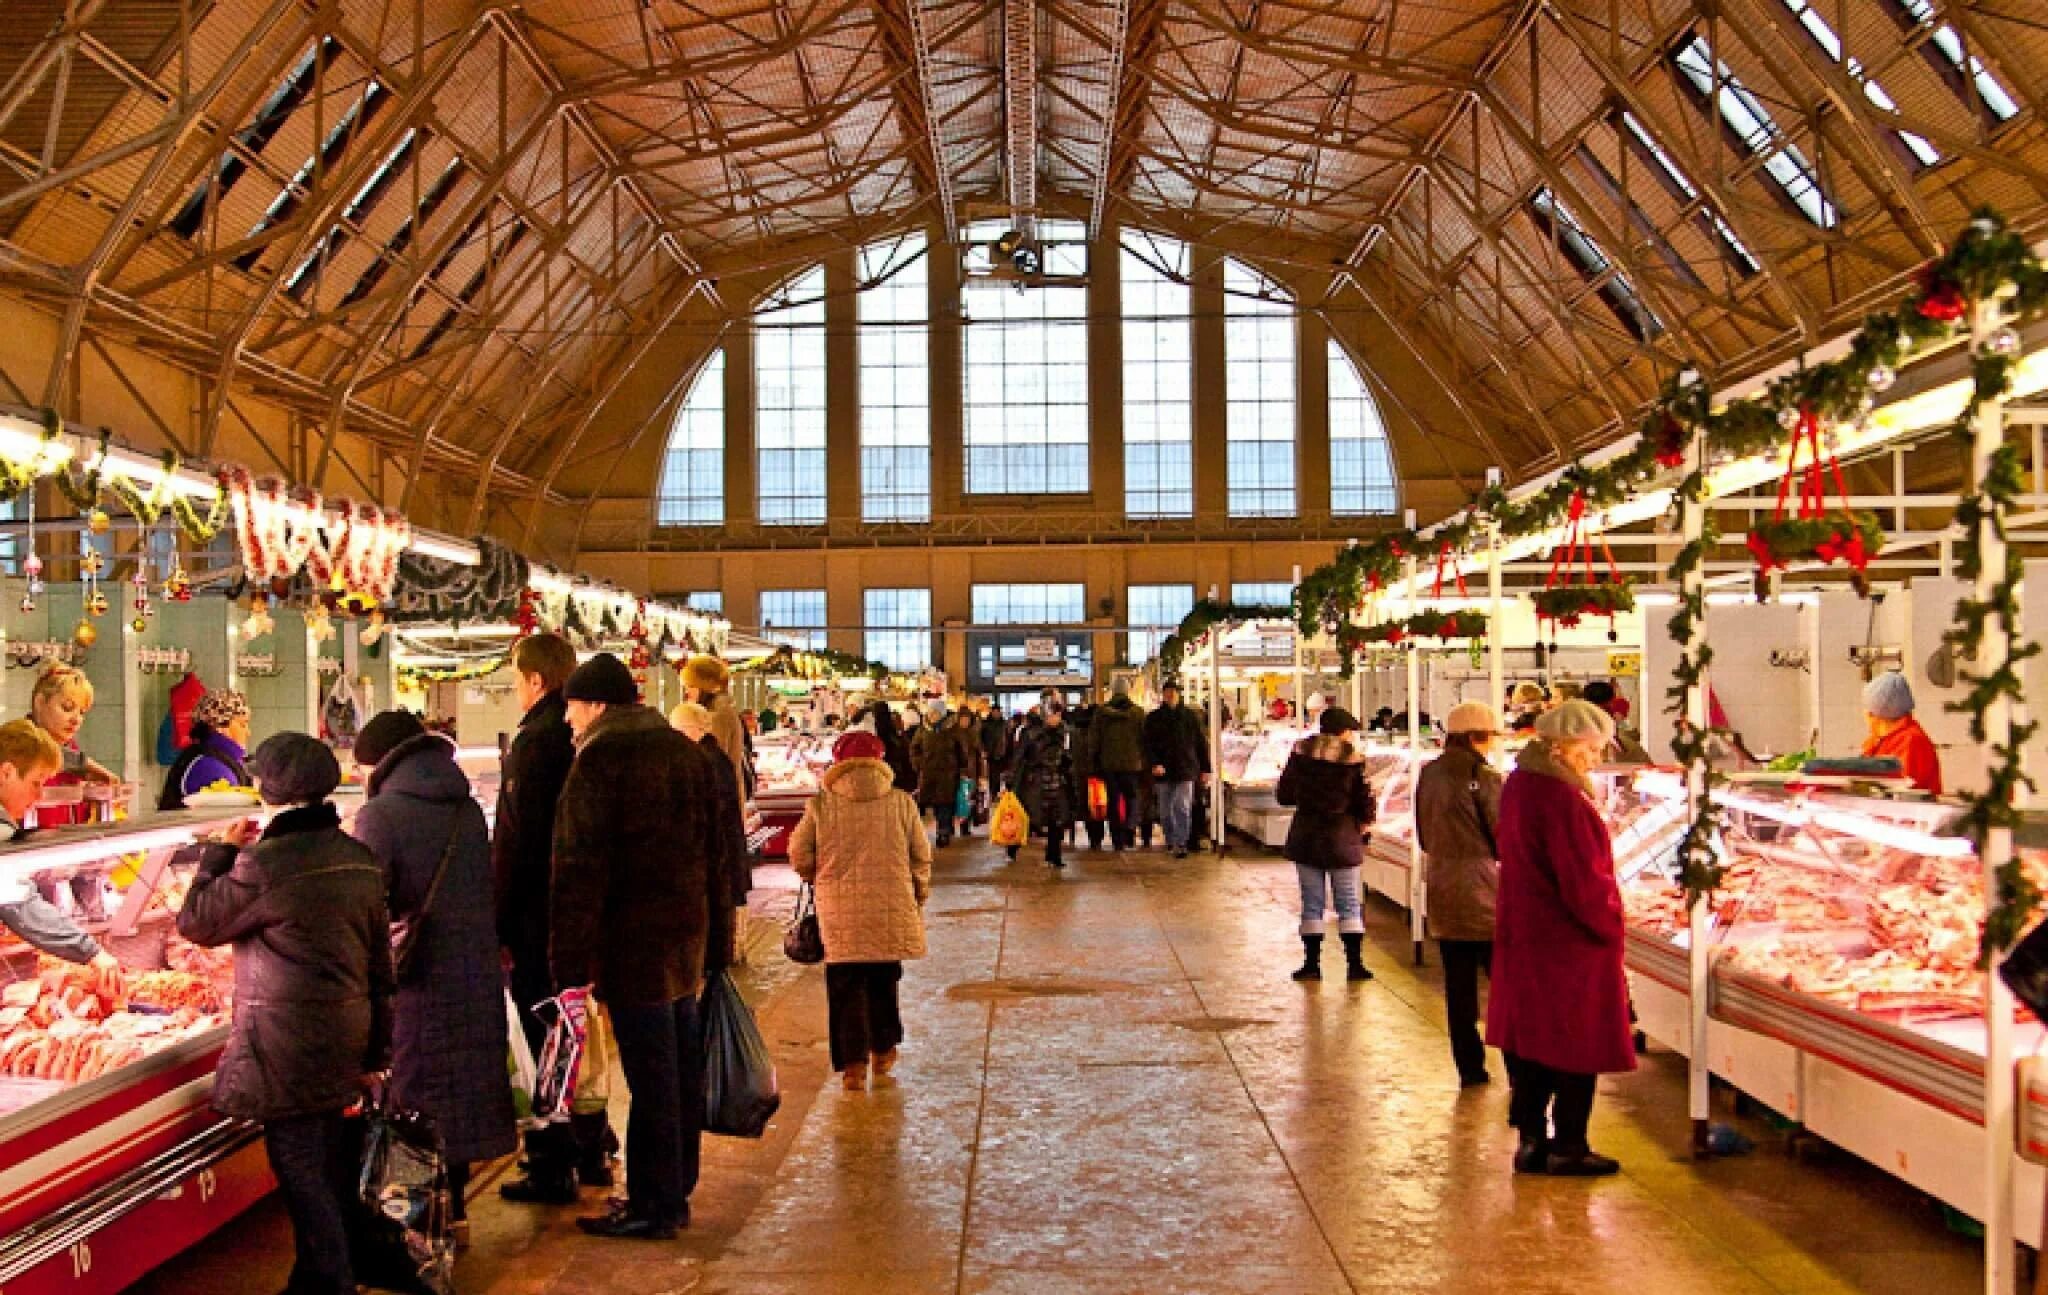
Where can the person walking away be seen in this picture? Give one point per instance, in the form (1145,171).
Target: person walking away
(995,746)
(951,751)
(1457,816)
(448,1031)
(707,681)
(29,757)
(1117,740)
(216,751)
(861,844)
(303,906)
(1324,782)
(1043,774)
(1888,707)
(1179,755)
(1559,1013)
(1080,726)
(641,913)
(522,861)
(881,718)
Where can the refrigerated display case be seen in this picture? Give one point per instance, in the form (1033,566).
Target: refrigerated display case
(787,768)
(1252,762)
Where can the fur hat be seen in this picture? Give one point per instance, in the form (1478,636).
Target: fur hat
(1575,720)
(1888,696)
(219,708)
(706,673)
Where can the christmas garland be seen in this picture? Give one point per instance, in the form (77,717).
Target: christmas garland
(813,663)
(1568,604)
(1205,615)
(414,677)
(432,589)
(1852,537)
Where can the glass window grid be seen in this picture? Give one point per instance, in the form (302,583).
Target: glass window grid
(1025,354)
(692,491)
(1263,593)
(1158,376)
(1990,91)
(1923,153)
(1557,220)
(1259,394)
(895,382)
(795,617)
(1746,115)
(897,627)
(709,601)
(1362,481)
(1160,609)
(789,403)
(1745,261)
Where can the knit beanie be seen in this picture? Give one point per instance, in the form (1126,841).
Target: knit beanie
(1337,721)
(1575,720)
(1888,696)
(384,734)
(858,745)
(603,678)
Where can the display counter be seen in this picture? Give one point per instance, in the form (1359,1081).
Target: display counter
(787,767)
(111,1157)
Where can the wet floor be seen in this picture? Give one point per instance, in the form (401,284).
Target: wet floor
(1111,1085)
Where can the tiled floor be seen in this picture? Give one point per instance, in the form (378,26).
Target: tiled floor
(1112,1086)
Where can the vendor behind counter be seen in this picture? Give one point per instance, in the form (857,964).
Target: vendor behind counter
(1888,709)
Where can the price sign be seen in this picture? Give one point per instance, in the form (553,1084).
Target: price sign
(1624,665)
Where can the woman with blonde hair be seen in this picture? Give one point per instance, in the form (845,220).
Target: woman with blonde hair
(62,699)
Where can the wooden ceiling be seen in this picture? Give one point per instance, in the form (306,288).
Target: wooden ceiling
(454,228)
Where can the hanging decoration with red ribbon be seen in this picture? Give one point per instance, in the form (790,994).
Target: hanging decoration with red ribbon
(1561,602)
(1805,530)
(1445,559)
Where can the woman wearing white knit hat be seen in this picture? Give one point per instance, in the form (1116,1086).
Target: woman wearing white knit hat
(1457,815)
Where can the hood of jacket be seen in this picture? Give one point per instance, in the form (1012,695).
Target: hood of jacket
(1329,748)
(620,721)
(1122,705)
(860,779)
(422,766)
(1540,757)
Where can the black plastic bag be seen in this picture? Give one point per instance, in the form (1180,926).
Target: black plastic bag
(739,1077)
(402,1241)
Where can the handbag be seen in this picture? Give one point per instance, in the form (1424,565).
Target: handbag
(406,931)
(804,943)
(399,1238)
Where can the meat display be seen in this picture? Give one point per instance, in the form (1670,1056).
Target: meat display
(72,1023)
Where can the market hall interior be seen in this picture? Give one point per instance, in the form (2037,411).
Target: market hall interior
(1111,1087)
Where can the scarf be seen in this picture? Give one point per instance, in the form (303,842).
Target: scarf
(1540,757)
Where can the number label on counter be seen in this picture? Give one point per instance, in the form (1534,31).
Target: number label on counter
(208,1184)
(81,1259)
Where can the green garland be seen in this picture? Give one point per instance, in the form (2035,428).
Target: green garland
(1700,870)
(419,676)
(1566,604)
(814,663)
(1205,615)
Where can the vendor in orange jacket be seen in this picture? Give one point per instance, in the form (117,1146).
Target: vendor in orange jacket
(1888,705)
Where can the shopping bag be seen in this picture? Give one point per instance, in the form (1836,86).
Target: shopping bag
(561,1055)
(1009,824)
(594,1070)
(402,1240)
(1098,799)
(804,942)
(518,1062)
(963,799)
(739,1077)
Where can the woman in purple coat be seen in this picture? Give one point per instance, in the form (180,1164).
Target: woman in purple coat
(1559,1010)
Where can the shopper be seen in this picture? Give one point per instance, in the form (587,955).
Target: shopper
(1888,709)
(642,911)
(882,721)
(1626,748)
(692,721)
(707,682)
(1043,774)
(303,906)
(1527,702)
(522,857)
(448,1036)
(59,703)
(995,745)
(28,758)
(1324,781)
(861,843)
(1457,818)
(1179,755)
(951,751)
(1560,1011)
(1079,722)
(1117,752)
(217,751)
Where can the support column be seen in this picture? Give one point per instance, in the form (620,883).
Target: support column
(741,504)
(1692,517)
(1496,625)
(1211,394)
(1216,788)
(1416,890)
(948,412)
(1106,378)
(842,385)
(1312,415)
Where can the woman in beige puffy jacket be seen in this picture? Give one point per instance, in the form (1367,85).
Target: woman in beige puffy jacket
(862,846)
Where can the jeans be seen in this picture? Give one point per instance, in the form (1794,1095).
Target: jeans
(1176,802)
(316,1161)
(1343,891)
(1552,1105)
(662,1053)
(860,1003)
(1123,808)
(1463,961)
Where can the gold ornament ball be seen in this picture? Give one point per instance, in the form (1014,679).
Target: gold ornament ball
(139,624)
(85,634)
(98,522)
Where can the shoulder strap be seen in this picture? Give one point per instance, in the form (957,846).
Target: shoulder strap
(441,868)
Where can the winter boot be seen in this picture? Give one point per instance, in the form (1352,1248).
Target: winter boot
(1311,958)
(1354,956)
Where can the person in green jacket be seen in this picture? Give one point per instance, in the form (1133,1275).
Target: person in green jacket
(1116,743)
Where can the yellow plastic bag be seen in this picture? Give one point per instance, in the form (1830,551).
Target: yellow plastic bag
(594,1072)
(1009,824)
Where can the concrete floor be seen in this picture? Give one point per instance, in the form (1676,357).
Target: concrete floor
(1112,1086)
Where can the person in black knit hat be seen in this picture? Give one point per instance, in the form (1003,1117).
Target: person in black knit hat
(1324,782)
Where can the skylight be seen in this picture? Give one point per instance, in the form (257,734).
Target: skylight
(1997,100)
(1676,179)
(1754,126)
(289,94)
(358,208)
(1621,297)
(1824,36)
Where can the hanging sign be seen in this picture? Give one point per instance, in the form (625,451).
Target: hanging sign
(1041,649)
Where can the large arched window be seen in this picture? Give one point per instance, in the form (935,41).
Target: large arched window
(789,402)
(1258,353)
(1026,380)
(693,471)
(1361,465)
(895,382)
(1158,337)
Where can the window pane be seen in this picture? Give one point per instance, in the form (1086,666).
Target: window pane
(895,382)
(898,627)
(794,616)
(1153,612)
(789,402)
(1026,386)
(1361,465)
(1259,394)
(692,491)
(1158,418)
(1262,593)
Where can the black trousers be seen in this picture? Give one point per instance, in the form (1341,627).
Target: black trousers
(1463,961)
(315,1159)
(1123,808)
(1552,1104)
(860,1004)
(556,1150)
(662,1053)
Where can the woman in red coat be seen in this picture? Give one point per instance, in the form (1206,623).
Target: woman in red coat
(1559,1011)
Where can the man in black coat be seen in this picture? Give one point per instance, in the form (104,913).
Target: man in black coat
(642,912)
(522,856)
(995,744)
(1177,751)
